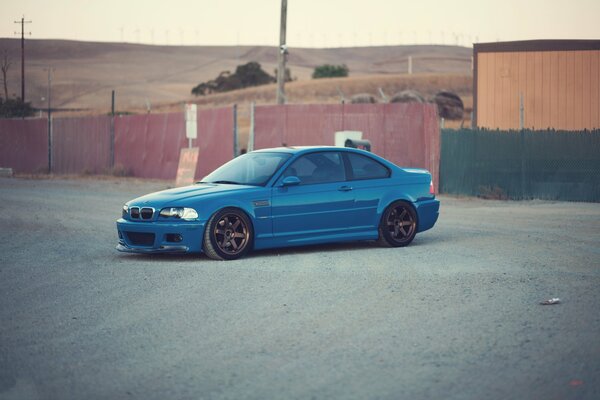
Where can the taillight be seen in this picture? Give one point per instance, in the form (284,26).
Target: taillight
(431,189)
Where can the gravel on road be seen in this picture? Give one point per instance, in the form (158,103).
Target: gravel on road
(455,315)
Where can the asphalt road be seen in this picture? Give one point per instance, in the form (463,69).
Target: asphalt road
(455,315)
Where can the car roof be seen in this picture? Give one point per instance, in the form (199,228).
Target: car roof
(307,149)
(296,150)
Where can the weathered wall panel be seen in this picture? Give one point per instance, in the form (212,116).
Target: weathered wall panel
(215,139)
(406,134)
(560,89)
(81,145)
(595,86)
(24,145)
(148,145)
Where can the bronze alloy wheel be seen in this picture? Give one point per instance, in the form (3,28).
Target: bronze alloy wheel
(398,225)
(228,234)
(231,234)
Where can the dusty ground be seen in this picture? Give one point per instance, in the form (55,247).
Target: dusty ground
(454,315)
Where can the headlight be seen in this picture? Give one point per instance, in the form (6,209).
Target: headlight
(125,210)
(179,212)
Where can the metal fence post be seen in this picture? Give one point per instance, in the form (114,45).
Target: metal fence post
(521,113)
(522,128)
(523,188)
(112,130)
(50,120)
(235,132)
(251,133)
(49,141)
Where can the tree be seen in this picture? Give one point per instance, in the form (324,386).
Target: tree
(5,64)
(330,71)
(251,74)
(15,108)
(247,75)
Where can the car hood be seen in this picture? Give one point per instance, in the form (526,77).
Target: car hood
(171,197)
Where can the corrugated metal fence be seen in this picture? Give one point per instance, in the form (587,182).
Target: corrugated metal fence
(81,145)
(554,165)
(24,145)
(145,146)
(406,134)
(513,164)
(148,145)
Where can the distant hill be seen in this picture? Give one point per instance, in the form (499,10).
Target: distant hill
(86,72)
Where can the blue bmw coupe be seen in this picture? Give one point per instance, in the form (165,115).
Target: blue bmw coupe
(280,197)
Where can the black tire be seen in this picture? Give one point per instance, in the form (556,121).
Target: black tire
(228,234)
(398,225)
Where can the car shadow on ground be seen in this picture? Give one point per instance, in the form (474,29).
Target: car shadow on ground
(278,252)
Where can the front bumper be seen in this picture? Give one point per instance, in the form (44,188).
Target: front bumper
(157,237)
(122,246)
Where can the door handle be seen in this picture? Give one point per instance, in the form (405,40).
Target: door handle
(345,188)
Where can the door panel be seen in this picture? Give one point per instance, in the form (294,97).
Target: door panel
(320,204)
(311,209)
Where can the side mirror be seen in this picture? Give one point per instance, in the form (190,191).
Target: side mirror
(290,181)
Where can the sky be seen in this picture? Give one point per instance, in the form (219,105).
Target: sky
(310,23)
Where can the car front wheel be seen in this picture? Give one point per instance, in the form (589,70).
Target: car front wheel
(228,235)
(398,225)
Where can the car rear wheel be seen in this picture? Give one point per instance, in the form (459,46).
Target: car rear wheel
(398,225)
(228,234)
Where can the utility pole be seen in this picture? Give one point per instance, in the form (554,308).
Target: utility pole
(23,22)
(282,56)
(50,69)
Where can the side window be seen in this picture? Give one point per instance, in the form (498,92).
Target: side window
(366,168)
(318,168)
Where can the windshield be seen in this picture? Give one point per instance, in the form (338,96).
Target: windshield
(248,169)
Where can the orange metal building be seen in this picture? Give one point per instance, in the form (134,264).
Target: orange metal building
(557,80)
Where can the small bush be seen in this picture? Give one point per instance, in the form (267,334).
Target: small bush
(330,71)
(15,108)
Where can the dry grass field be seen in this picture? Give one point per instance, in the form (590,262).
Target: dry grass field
(162,77)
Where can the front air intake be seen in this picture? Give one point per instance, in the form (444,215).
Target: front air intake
(140,238)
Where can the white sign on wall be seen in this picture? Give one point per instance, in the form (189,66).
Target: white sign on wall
(191,125)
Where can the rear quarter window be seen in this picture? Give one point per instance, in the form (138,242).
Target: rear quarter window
(363,167)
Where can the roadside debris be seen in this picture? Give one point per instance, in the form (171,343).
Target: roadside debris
(549,302)
(6,172)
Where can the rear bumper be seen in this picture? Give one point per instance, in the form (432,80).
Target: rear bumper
(158,237)
(428,212)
